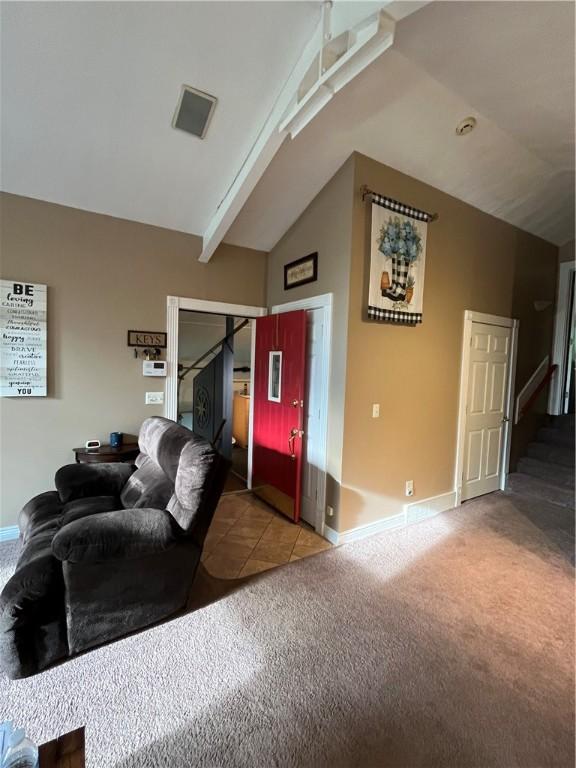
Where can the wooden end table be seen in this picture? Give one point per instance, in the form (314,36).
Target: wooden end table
(106,454)
(66,751)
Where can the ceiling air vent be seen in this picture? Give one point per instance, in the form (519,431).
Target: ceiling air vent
(194,111)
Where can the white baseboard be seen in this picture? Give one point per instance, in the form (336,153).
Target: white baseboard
(424,508)
(9,533)
(330,534)
(362,531)
(412,513)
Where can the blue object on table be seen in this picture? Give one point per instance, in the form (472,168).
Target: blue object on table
(116,439)
(16,751)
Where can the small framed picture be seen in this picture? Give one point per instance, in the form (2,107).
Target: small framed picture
(301,271)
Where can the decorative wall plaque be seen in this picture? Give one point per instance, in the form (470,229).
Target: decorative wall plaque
(147,339)
(22,339)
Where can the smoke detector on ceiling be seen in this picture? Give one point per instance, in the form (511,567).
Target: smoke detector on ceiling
(465,126)
(194,111)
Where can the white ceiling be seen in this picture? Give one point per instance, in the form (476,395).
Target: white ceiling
(510,64)
(89,91)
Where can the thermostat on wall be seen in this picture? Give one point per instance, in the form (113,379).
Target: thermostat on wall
(154,367)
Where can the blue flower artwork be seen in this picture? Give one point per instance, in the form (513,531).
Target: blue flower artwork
(397,263)
(400,239)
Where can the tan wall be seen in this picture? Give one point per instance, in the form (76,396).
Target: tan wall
(473,261)
(104,276)
(325,227)
(566,252)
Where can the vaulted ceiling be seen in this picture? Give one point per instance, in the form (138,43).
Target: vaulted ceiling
(509,64)
(89,90)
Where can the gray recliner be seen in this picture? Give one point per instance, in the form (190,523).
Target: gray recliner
(113,549)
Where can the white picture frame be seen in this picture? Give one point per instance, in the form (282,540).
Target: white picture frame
(275,376)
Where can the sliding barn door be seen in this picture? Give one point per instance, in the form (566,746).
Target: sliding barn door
(278,392)
(212,401)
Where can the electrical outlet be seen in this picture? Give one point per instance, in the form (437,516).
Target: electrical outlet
(409,487)
(330,511)
(154,398)
(375,410)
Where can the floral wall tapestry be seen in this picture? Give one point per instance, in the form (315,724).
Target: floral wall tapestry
(397,260)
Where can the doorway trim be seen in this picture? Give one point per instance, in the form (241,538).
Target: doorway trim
(561,337)
(325,302)
(173,305)
(505,322)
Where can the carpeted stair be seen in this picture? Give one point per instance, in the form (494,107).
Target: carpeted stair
(547,472)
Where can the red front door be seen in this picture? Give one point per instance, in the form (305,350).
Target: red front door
(278,391)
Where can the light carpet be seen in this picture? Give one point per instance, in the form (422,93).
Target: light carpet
(449,643)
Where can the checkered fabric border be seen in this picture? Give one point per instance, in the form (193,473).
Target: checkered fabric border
(399,277)
(393,316)
(405,210)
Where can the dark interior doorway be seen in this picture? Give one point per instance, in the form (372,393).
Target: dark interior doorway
(214,385)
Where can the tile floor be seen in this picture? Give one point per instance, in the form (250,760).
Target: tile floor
(247,536)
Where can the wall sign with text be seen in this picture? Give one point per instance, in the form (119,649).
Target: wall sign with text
(301,271)
(22,339)
(147,339)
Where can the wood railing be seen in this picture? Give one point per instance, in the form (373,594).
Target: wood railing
(535,385)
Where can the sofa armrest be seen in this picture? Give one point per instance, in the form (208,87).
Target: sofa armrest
(79,481)
(120,535)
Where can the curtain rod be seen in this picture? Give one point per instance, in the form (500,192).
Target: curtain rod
(396,205)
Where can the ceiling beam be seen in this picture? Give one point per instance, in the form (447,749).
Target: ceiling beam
(322,69)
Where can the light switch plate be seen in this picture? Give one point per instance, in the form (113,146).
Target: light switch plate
(375,410)
(154,398)
(409,487)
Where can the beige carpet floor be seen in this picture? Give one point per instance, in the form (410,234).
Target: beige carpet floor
(449,643)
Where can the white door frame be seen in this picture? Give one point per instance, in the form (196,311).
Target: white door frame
(325,302)
(173,305)
(504,322)
(562,321)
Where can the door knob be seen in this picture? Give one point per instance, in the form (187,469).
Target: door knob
(505,419)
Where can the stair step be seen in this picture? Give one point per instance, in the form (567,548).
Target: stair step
(555,474)
(564,423)
(551,453)
(526,485)
(556,436)
(555,522)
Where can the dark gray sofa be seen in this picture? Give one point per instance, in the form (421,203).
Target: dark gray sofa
(113,549)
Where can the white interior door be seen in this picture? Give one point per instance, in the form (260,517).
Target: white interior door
(486,404)
(313,428)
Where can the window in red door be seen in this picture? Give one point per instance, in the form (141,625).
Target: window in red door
(278,392)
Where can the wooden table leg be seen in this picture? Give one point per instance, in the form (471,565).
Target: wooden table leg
(66,751)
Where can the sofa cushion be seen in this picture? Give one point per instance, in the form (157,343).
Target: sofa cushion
(79,481)
(46,507)
(122,534)
(147,487)
(37,576)
(162,440)
(32,618)
(199,482)
(79,508)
